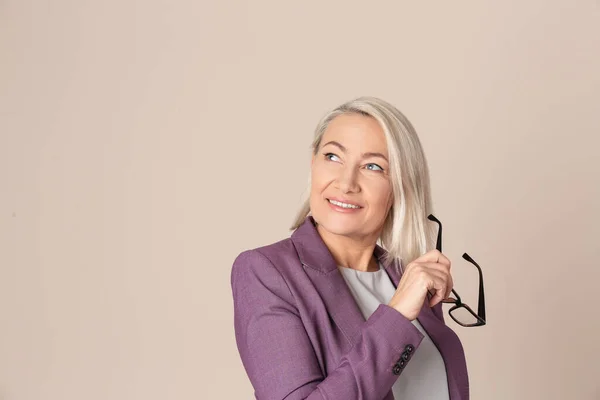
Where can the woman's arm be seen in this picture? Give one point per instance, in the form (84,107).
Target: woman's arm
(278,356)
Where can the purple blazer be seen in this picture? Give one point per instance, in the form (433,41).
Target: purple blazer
(301,335)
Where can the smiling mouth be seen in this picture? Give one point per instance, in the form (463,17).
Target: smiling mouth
(343,205)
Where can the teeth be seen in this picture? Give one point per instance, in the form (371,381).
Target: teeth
(344,205)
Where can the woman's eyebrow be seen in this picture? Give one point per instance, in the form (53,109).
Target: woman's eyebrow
(364,155)
(333,142)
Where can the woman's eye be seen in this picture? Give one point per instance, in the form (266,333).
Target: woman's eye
(374,167)
(330,156)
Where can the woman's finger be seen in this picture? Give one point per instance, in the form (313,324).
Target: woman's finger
(436,266)
(440,286)
(444,260)
(435,256)
(443,283)
(430,256)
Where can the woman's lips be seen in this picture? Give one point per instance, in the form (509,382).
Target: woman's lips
(340,208)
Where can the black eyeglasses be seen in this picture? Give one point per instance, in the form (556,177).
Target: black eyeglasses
(460,312)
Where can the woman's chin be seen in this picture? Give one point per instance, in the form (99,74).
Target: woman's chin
(341,225)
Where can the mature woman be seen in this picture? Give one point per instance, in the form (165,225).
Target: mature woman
(349,306)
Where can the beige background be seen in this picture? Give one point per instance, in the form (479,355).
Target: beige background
(143,145)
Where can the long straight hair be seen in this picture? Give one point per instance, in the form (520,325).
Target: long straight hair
(407,233)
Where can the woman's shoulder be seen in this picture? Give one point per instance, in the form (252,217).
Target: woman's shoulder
(270,265)
(272,252)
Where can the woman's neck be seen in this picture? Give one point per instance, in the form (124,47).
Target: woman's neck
(350,252)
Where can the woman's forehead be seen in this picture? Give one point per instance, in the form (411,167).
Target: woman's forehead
(356,132)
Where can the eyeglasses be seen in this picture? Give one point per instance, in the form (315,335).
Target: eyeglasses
(461,313)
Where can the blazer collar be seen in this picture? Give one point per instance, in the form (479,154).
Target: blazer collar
(313,251)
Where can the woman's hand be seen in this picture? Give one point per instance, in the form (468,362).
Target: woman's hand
(430,272)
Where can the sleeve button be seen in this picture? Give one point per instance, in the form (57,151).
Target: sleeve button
(397,369)
(409,348)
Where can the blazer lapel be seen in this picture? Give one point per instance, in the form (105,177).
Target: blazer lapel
(328,280)
(451,350)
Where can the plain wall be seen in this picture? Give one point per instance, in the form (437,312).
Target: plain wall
(143,145)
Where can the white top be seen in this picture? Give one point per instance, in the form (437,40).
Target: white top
(424,376)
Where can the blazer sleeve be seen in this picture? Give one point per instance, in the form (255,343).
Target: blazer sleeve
(278,356)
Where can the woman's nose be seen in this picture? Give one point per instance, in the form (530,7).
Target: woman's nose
(347,180)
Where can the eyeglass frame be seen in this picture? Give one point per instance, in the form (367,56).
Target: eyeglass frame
(480,315)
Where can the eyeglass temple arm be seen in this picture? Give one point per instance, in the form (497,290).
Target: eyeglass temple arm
(481,302)
(438,246)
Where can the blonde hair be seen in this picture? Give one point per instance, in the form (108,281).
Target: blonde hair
(407,233)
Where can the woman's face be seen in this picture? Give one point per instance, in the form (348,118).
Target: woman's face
(351,167)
